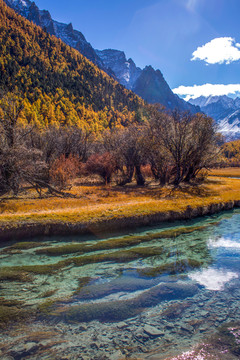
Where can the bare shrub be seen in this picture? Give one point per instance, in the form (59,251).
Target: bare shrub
(63,170)
(103,165)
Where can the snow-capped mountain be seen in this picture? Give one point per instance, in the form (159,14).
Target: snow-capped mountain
(223,109)
(147,83)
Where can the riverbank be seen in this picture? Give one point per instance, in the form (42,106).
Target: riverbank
(96,209)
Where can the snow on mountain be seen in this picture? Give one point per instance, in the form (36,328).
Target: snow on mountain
(230,126)
(20,3)
(147,83)
(203,101)
(223,109)
(125,70)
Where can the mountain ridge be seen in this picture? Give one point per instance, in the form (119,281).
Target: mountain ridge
(57,85)
(113,62)
(224,110)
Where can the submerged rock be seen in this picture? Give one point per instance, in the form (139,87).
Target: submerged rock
(153,331)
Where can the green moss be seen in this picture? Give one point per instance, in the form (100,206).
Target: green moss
(117,243)
(46,307)
(49,293)
(118,256)
(9,274)
(175,267)
(10,303)
(11,311)
(30,269)
(26,245)
(84,281)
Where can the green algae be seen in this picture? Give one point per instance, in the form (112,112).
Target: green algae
(83,282)
(174,267)
(12,311)
(118,257)
(17,248)
(46,307)
(26,245)
(10,274)
(117,243)
(49,293)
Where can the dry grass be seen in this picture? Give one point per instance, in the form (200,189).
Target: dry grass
(94,203)
(226,172)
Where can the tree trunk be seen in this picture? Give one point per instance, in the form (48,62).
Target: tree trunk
(139,177)
(129,176)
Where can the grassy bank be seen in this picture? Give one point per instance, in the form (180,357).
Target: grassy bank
(99,204)
(226,172)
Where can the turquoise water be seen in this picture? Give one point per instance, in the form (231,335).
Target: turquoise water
(156,291)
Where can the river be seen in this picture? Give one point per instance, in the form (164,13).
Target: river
(150,294)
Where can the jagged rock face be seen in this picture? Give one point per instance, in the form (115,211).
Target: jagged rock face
(217,107)
(65,32)
(223,109)
(153,88)
(147,83)
(125,70)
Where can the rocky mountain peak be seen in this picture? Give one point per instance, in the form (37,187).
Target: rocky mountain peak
(225,110)
(148,83)
(125,70)
(69,28)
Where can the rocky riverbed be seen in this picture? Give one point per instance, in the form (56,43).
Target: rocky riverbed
(132,309)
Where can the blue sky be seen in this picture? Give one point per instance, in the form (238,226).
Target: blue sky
(193,42)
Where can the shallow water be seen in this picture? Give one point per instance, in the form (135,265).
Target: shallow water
(159,291)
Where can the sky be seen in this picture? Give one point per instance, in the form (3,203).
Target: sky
(195,43)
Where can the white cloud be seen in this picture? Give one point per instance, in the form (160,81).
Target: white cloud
(195,91)
(213,279)
(218,51)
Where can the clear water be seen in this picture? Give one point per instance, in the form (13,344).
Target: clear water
(157,293)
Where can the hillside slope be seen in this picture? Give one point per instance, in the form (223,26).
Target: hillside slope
(150,85)
(45,71)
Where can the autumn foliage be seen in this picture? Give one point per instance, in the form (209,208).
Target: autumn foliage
(58,86)
(63,170)
(103,165)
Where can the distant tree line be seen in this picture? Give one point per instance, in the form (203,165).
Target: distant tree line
(170,147)
(230,154)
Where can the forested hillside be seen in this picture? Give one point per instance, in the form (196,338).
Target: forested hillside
(56,83)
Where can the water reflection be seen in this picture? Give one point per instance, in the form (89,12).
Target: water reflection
(167,288)
(224,243)
(213,279)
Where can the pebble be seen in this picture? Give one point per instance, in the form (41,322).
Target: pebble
(122,325)
(153,331)
(188,328)
(116,356)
